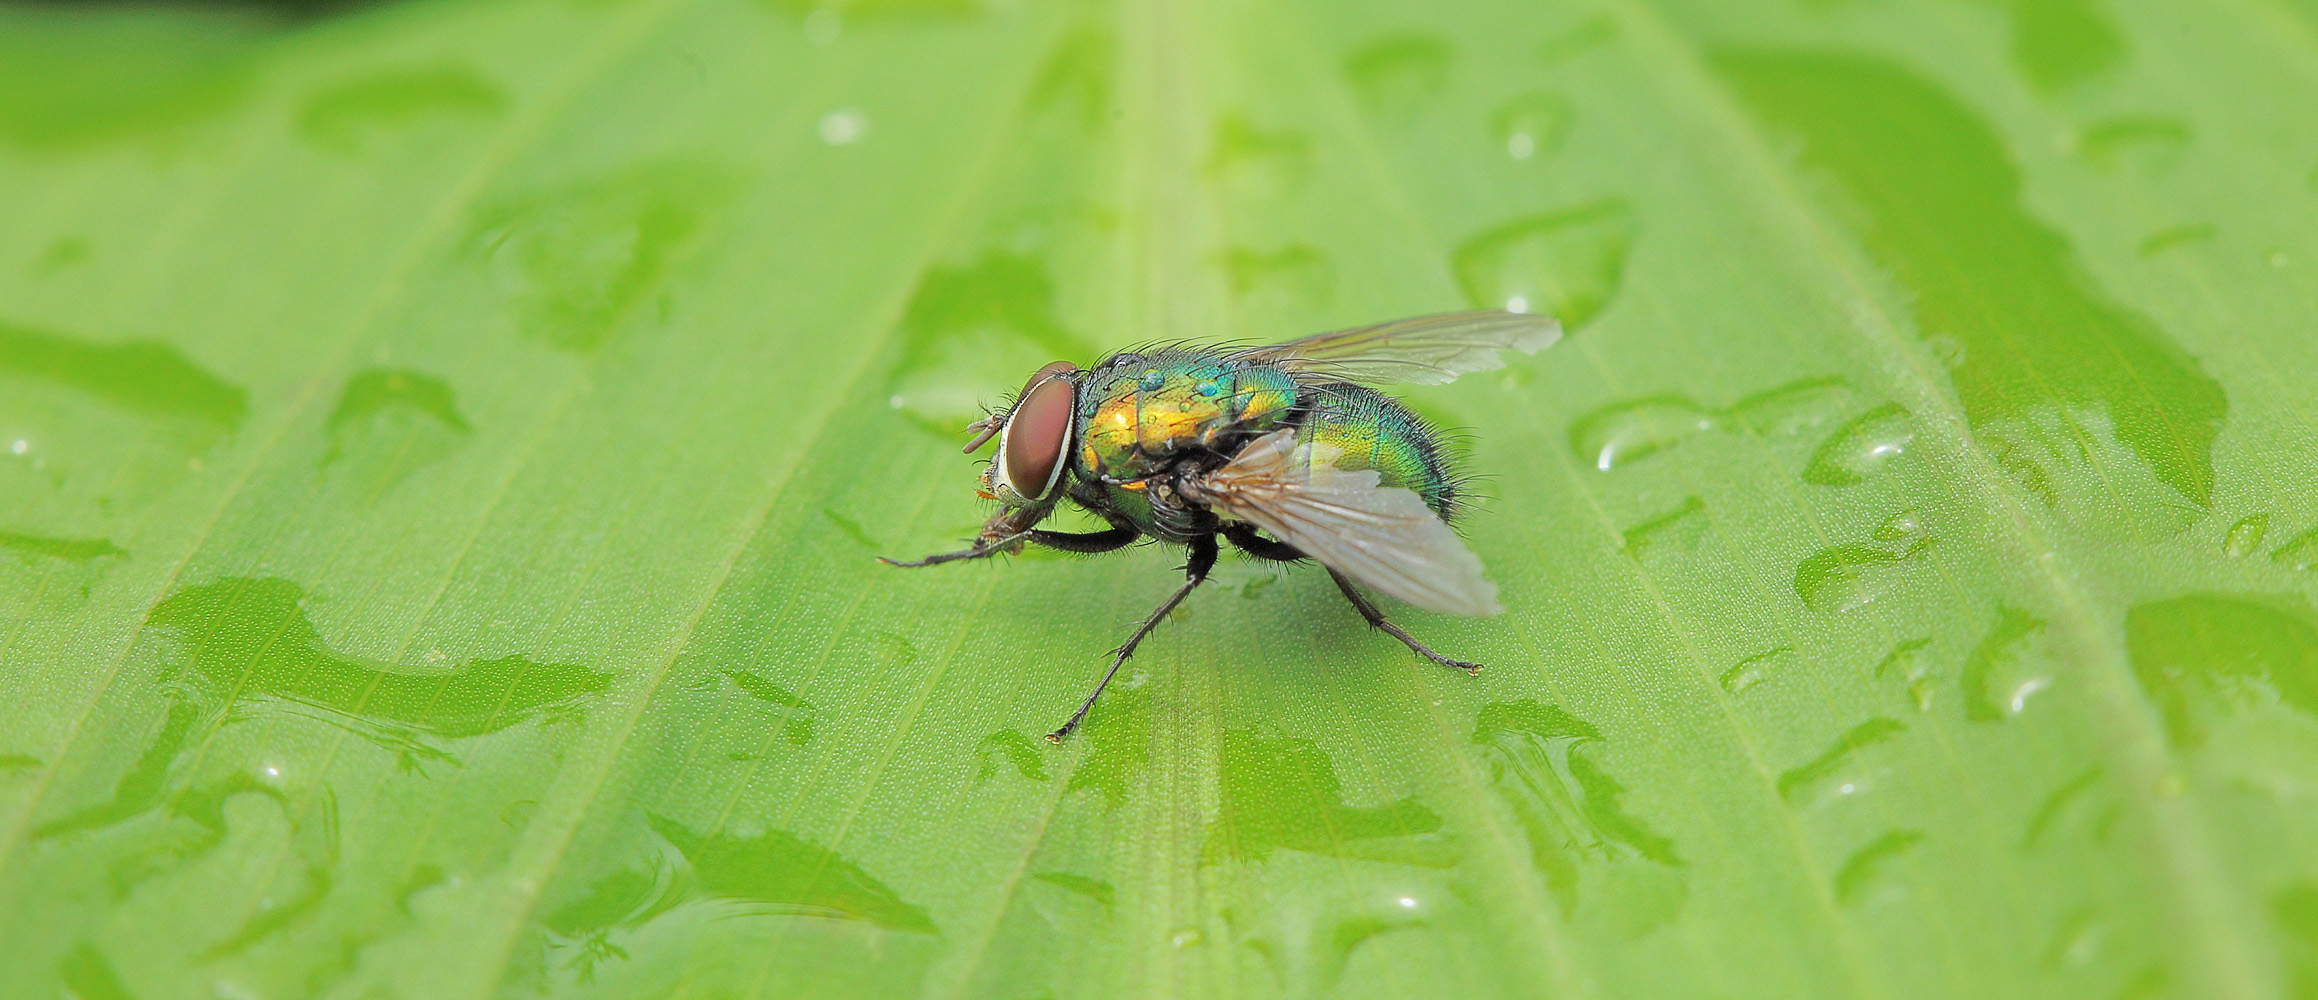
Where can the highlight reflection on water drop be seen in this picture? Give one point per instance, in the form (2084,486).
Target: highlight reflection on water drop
(1520,145)
(20,446)
(1408,903)
(843,127)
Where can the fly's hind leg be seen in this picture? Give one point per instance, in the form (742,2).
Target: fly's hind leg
(1376,618)
(1195,572)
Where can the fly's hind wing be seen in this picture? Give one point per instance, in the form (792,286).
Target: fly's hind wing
(1382,536)
(1425,350)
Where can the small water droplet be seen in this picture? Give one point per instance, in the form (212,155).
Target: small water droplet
(2301,552)
(1861,447)
(844,127)
(1408,902)
(823,26)
(1188,937)
(1900,526)
(896,401)
(1865,869)
(2245,536)
(1397,74)
(1531,123)
(1846,788)
(1750,671)
(1566,264)
(20,446)
(1516,304)
(1628,431)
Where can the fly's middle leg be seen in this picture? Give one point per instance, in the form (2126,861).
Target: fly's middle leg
(1195,573)
(1368,610)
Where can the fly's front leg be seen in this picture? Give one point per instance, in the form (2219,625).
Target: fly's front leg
(1376,618)
(1195,572)
(1004,532)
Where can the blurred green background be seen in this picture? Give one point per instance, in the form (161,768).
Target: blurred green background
(443,447)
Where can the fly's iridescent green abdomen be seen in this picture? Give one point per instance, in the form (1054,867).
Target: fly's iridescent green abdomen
(1283,451)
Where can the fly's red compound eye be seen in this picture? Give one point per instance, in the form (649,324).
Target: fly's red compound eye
(988,427)
(1037,433)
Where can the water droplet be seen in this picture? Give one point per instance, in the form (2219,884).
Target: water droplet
(1843,577)
(20,446)
(1867,867)
(1861,448)
(1531,123)
(1683,525)
(1258,164)
(1017,749)
(1628,431)
(1396,75)
(577,261)
(2002,672)
(392,422)
(1408,902)
(2278,258)
(1284,793)
(2208,654)
(1517,304)
(783,870)
(1751,671)
(896,401)
(1796,781)
(1567,264)
(1543,762)
(2149,143)
(1188,937)
(1591,33)
(2175,236)
(1908,662)
(2245,537)
(2299,552)
(386,107)
(823,26)
(844,126)
(2056,804)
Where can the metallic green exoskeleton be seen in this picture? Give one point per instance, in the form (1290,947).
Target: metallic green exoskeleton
(1284,451)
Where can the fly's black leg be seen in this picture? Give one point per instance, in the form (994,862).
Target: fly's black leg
(1090,541)
(1376,618)
(1195,572)
(1246,540)
(980,550)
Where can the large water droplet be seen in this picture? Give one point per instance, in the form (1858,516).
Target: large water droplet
(1627,431)
(1566,264)
(2208,654)
(1842,577)
(1258,164)
(2245,537)
(1861,447)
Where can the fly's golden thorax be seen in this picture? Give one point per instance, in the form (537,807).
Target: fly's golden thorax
(1141,411)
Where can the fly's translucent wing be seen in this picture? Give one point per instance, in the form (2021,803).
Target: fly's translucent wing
(1382,536)
(1425,350)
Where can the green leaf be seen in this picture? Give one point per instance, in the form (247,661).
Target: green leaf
(443,448)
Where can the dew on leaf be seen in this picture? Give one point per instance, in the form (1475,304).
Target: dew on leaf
(1090,887)
(2057,43)
(2149,143)
(2200,654)
(2176,236)
(1396,75)
(1625,432)
(1818,776)
(2299,552)
(1026,756)
(1592,33)
(2002,673)
(799,717)
(2245,537)
(1258,164)
(383,108)
(1869,867)
(2056,805)
(1542,763)
(1532,124)
(1751,671)
(577,261)
(1682,525)
(971,331)
(1566,264)
(1942,211)
(1908,663)
(1842,577)
(1861,448)
(781,873)
(1284,794)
